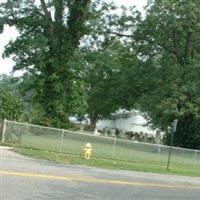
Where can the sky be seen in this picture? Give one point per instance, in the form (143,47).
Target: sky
(10,33)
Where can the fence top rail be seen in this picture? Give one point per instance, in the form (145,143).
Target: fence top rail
(98,136)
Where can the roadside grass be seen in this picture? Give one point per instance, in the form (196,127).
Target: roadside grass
(116,164)
(67,147)
(105,148)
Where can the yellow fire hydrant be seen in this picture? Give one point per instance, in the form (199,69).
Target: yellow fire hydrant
(87,151)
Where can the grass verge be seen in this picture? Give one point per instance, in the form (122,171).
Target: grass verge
(107,163)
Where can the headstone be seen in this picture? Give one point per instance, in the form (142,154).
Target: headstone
(158,137)
(96,132)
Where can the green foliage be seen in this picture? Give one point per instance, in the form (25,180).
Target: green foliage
(165,82)
(44,47)
(99,76)
(81,57)
(11,104)
(55,70)
(168,42)
(187,134)
(11,107)
(108,73)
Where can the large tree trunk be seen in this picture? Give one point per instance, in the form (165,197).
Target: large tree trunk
(93,121)
(177,50)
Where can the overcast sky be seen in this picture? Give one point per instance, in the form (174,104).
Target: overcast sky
(10,33)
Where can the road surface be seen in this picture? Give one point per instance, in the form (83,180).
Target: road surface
(24,178)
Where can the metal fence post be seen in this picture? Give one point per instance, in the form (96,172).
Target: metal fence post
(4,130)
(61,140)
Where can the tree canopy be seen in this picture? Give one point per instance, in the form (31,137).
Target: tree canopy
(49,34)
(169,39)
(90,57)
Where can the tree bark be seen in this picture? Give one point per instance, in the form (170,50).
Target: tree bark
(176,47)
(188,49)
(93,121)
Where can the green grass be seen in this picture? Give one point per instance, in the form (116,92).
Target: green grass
(127,155)
(107,163)
(103,147)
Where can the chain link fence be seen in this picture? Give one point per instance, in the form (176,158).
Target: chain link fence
(72,142)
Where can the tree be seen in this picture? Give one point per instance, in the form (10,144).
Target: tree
(168,40)
(49,34)
(99,82)
(107,76)
(11,107)
(11,104)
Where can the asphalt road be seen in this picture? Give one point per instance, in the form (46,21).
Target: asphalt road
(23,178)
